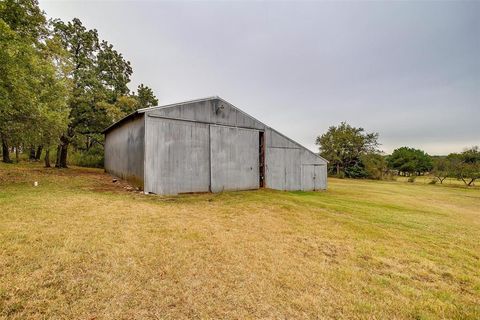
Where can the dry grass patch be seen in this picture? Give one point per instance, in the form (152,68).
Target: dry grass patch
(80,247)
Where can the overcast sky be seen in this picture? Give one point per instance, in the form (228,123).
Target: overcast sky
(407,70)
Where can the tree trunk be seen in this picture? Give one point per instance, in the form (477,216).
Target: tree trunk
(62,152)
(57,155)
(32,153)
(47,158)
(5,151)
(338,169)
(17,154)
(39,152)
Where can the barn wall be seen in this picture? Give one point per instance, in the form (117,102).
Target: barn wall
(308,177)
(188,156)
(124,151)
(290,166)
(177,156)
(321,177)
(282,168)
(213,111)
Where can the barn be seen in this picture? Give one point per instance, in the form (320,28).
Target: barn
(207,145)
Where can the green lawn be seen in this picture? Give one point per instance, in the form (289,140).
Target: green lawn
(81,247)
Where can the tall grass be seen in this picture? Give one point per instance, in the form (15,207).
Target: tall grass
(93,158)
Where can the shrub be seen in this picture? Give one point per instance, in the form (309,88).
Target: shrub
(92,158)
(375,166)
(356,171)
(340,175)
(390,175)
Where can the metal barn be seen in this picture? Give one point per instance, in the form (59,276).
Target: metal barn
(207,145)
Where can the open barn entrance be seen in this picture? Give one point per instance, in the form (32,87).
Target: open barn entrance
(261,158)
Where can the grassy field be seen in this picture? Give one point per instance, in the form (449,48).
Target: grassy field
(81,247)
(428,179)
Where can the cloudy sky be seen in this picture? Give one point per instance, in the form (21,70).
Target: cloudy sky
(407,70)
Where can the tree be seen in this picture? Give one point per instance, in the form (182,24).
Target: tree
(100,75)
(32,99)
(59,85)
(343,147)
(19,22)
(82,44)
(441,168)
(375,165)
(125,105)
(25,17)
(146,97)
(410,161)
(466,165)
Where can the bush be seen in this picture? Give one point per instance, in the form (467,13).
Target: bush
(389,176)
(374,165)
(341,175)
(92,158)
(412,179)
(434,181)
(356,171)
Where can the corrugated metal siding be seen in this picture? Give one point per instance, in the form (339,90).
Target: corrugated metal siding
(124,151)
(313,177)
(287,165)
(177,156)
(212,111)
(276,140)
(308,177)
(321,177)
(282,168)
(234,158)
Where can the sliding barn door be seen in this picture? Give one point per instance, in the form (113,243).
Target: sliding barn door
(234,158)
(177,155)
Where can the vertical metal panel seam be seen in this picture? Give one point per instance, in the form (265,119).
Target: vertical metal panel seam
(210,157)
(145,154)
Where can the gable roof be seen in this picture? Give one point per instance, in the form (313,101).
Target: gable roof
(172,105)
(143,110)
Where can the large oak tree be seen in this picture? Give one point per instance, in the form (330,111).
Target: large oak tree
(100,76)
(33,89)
(343,146)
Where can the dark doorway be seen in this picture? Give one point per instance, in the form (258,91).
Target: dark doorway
(261,159)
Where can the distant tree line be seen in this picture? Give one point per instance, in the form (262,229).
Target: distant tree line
(60,85)
(354,153)
(464,166)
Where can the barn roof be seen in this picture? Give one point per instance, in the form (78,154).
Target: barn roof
(143,110)
(172,105)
